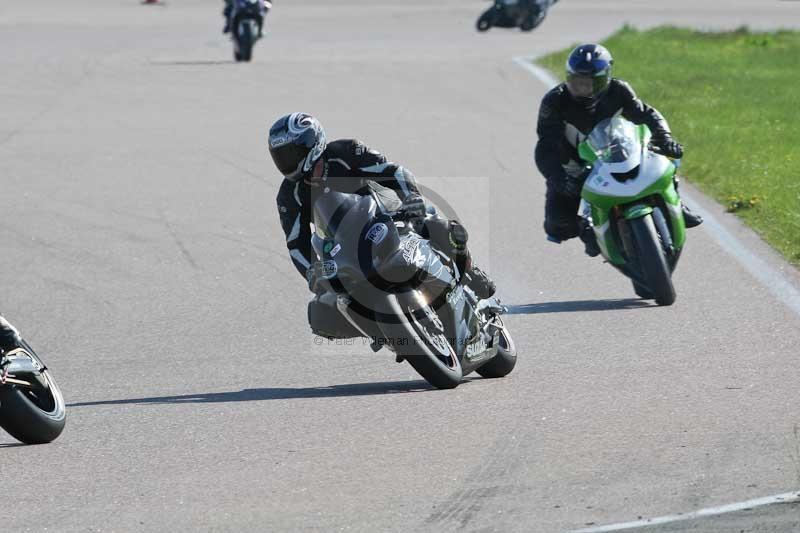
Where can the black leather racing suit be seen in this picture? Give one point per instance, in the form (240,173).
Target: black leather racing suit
(563,124)
(9,336)
(348,166)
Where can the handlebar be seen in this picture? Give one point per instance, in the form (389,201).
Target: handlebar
(402,216)
(657,150)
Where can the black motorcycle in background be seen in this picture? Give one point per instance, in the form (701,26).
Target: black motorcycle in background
(391,286)
(523,14)
(247,24)
(31,405)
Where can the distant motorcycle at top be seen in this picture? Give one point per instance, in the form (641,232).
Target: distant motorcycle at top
(523,14)
(247,26)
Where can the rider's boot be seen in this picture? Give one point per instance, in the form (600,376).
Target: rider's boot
(589,239)
(476,279)
(690,219)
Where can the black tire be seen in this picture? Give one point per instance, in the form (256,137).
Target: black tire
(653,260)
(428,351)
(33,418)
(485,21)
(246,41)
(642,291)
(506,359)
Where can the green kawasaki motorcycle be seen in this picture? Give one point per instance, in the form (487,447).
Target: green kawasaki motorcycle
(630,201)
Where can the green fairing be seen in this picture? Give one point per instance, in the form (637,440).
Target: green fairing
(644,134)
(602,206)
(673,201)
(637,211)
(606,240)
(586,152)
(660,186)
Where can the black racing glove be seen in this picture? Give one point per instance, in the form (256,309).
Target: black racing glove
(414,206)
(668,146)
(572,185)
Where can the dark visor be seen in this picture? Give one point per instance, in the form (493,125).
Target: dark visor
(288,157)
(585,86)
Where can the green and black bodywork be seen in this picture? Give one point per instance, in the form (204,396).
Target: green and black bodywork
(630,201)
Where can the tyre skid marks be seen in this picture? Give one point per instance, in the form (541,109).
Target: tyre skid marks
(492,478)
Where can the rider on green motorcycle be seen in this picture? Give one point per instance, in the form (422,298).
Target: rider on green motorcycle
(567,114)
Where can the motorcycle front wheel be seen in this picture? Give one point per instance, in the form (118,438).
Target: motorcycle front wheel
(532,22)
(33,415)
(245,37)
(420,341)
(653,260)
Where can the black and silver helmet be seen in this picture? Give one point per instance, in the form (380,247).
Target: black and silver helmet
(296,142)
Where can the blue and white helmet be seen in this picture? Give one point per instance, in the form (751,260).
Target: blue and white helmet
(296,142)
(589,72)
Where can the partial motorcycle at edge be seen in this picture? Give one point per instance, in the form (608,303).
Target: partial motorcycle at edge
(32,407)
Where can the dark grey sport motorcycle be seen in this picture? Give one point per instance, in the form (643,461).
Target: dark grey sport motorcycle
(523,14)
(31,404)
(393,287)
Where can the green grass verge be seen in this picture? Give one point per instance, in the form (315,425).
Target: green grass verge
(733,100)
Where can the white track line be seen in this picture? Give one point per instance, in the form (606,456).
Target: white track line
(772,279)
(787,497)
(543,75)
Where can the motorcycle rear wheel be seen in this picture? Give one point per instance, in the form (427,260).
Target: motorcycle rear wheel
(485,21)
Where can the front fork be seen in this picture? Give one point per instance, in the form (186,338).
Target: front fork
(16,363)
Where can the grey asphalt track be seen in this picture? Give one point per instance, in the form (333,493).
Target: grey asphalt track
(142,256)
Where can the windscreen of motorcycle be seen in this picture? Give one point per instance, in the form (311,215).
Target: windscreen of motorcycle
(330,209)
(616,140)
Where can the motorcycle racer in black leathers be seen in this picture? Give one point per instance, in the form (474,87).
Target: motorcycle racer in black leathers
(312,167)
(227,11)
(567,114)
